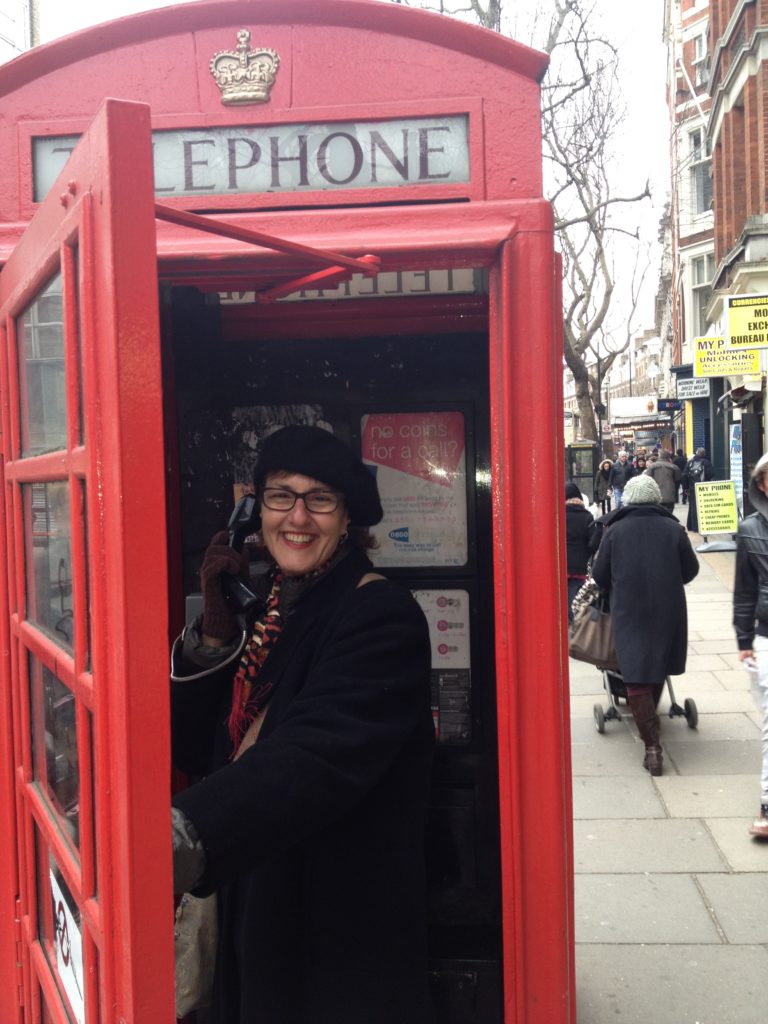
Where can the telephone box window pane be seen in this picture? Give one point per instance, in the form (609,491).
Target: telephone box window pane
(87,575)
(54,745)
(60,931)
(42,390)
(49,559)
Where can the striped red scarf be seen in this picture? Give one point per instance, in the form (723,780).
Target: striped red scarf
(249,699)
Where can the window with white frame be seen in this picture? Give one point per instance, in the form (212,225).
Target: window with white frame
(702,272)
(701,167)
(700,61)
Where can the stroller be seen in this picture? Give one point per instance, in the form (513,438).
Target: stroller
(613,682)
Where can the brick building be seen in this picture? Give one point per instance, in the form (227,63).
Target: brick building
(738,132)
(718,100)
(687,28)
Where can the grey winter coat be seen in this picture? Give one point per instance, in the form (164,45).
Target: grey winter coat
(644,560)
(668,477)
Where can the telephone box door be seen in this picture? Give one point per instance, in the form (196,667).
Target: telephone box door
(83,595)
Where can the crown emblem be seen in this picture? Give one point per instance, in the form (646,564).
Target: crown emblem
(243,75)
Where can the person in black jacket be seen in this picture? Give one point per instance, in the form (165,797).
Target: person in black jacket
(579,525)
(750,614)
(698,470)
(681,462)
(313,729)
(621,473)
(644,560)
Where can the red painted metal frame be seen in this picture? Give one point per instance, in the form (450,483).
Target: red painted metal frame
(105,245)
(535,805)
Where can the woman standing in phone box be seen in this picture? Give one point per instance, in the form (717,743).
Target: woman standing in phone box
(314,731)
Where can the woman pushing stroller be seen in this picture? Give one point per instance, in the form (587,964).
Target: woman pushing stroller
(644,560)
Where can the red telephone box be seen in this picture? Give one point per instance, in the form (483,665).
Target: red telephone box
(339,206)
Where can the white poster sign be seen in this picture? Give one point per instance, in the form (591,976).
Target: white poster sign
(420,466)
(69,950)
(693,387)
(447,613)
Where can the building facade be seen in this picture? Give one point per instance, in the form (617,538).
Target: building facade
(737,129)
(19,27)
(687,28)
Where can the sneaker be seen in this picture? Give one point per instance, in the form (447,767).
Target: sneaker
(759,827)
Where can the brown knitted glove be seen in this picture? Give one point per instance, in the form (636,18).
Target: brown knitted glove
(220,561)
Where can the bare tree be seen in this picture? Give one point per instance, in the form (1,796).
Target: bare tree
(581,112)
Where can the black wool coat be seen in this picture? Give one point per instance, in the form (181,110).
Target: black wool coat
(579,526)
(314,836)
(644,560)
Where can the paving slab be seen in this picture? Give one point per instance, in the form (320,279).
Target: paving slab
(715,632)
(627,846)
(732,658)
(642,908)
(723,727)
(740,851)
(611,798)
(740,904)
(707,663)
(604,757)
(583,728)
(581,705)
(734,679)
(716,700)
(663,984)
(712,757)
(592,684)
(698,682)
(707,796)
(711,646)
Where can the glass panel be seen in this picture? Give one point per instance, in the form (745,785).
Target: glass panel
(54,744)
(59,929)
(41,373)
(49,559)
(87,576)
(78,330)
(94,809)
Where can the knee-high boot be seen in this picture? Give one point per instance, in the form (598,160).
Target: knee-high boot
(649,727)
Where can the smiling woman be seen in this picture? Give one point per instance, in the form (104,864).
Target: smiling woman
(314,729)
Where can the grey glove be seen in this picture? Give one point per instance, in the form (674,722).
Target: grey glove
(188,853)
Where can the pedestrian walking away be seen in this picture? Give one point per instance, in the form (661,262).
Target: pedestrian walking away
(644,560)
(667,476)
(579,526)
(621,472)
(698,470)
(750,615)
(602,488)
(310,719)
(681,462)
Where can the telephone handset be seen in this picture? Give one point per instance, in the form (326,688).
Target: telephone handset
(243,522)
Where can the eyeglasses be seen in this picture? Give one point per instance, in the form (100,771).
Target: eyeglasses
(282,499)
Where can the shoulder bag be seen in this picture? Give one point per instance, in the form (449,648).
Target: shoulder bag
(590,636)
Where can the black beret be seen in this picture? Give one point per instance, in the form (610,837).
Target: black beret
(315,452)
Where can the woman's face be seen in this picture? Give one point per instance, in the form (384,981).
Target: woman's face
(761,482)
(301,541)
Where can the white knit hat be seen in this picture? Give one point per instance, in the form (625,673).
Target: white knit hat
(642,490)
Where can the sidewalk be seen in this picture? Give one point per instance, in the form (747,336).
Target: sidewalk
(671,892)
